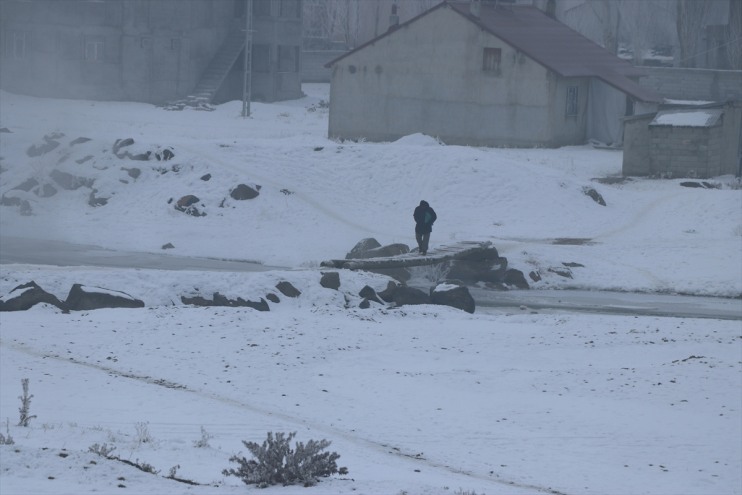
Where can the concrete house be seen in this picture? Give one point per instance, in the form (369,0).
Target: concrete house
(152,51)
(484,73)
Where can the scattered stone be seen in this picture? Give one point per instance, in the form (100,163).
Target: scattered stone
(535,276)
(362,246)
(68,181)
(79,140)
(165,155)
(243,192)
(26,185)
(273,298)
(24,297)
(388,293)
(5,130)
(134,172)
(186,205)
(456,296)
(83,160)
(562,272)
(330,280)
(45,191)
(595,195)
(81,298)
(206,177)
(95,201)
(287,289)
(121,143)
(572,264)
(169,245)
(515,278)
(405,295)
(370,294)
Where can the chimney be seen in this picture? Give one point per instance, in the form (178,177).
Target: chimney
(393,18)
(475,7)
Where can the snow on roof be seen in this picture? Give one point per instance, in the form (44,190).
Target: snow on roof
(707,117)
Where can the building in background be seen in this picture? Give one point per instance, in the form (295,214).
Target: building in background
(154,51)
(484,73)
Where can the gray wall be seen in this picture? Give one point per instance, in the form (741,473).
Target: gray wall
(151,51)
(694,84)
(313,64)
(426,77)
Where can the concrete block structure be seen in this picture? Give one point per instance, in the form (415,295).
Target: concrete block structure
(152,51)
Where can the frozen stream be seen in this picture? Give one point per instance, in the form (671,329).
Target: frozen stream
(27,251)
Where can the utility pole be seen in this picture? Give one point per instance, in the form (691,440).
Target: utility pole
(247,62)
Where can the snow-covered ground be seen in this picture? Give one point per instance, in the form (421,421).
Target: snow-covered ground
(423,399)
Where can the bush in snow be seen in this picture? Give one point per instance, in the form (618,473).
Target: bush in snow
(277,463)
(25,405)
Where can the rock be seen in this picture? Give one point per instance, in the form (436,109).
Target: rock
(561,271)
(378,252)
(26,296)
(223,301)
(79,140)
(169,245)
(370,294)
(456,296)
(273,298)
(121,143)
(388,293)
(186,205)
(243,192)
(287,289)
(206,177)
(26,185)
(95,201)
(595,195)
(82,298)
(41,149)
(362,246)
(330,280)
(45,191)
(134,172)
(535,276)
(405,295)
(515,278)
(68,181)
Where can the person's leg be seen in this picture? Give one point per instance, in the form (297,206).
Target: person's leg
(419,239)
(426,240)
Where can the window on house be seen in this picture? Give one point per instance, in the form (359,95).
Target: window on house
(16,45)
(288,58)
(261,8)
(289,8)
(261,58)
(491,59)
(94,47)
(573,103)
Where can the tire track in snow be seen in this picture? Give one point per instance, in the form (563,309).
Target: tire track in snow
(379,447)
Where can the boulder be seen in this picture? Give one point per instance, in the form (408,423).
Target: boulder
(456,296)
(388,293)
(243,192)
(516,278)
(26,296)
(380,252)
(223,301)
(362,246)
(287,289)
(68,181)
(82,298)
(405,295)
(369,293)
(330,280)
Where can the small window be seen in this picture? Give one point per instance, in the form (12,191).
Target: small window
(573,103)
(16,45)
(491,59)
(94,47)
(288,58)
(261,58)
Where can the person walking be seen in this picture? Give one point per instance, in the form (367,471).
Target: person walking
(424,217)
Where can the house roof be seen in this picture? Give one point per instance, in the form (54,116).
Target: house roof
(547,41)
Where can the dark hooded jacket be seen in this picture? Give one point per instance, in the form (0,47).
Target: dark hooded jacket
(424,217)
